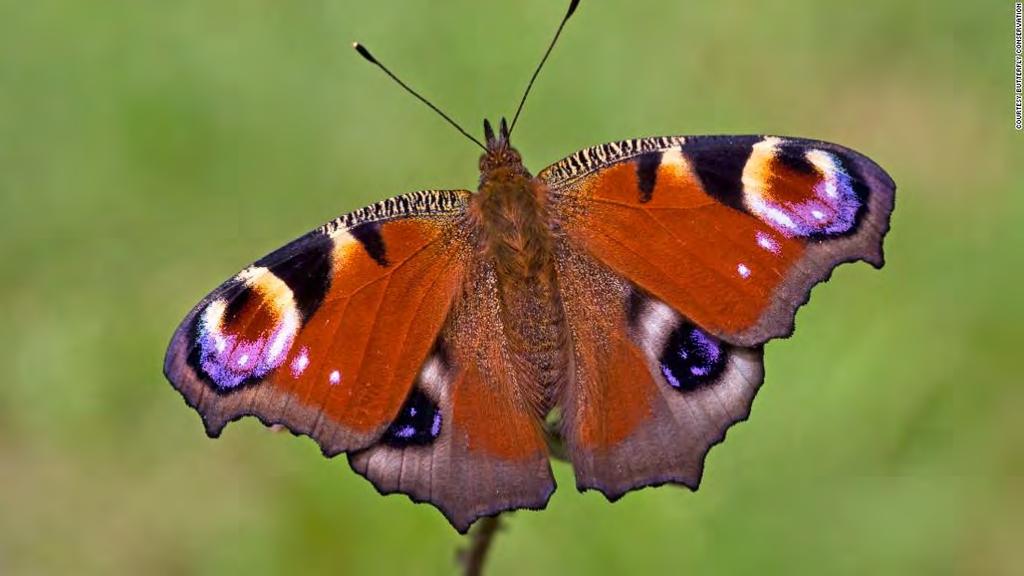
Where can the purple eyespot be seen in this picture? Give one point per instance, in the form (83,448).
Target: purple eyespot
(405,432)
(418,422)
(230,359)
(691,358)
(830,207)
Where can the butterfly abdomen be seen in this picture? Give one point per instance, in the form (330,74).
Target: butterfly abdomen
(515,236)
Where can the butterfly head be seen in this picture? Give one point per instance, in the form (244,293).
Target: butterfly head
(500,159)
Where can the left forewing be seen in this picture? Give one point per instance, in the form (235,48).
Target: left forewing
(325,336)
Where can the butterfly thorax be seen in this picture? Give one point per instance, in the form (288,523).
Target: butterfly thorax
(515,238)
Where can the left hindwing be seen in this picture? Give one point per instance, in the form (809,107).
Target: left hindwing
(730,231)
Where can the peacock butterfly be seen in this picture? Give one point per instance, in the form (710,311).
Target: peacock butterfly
(628,289)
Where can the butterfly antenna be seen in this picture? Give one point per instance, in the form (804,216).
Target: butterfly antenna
(369,57)
(572,8)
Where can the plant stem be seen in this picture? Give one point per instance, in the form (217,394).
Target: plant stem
(480,539)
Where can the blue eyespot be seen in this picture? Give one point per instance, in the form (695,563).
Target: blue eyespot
(691,358)
(417,424)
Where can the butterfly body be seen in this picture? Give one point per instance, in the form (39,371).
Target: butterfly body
(511,216)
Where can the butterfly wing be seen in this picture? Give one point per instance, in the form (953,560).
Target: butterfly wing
(678,258)
(730,231)
(374,335)
(326,335)
(471,441)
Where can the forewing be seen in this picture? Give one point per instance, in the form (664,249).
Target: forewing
(732,232)
(327,335)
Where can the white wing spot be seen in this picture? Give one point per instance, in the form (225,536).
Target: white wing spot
(300,363)
(765,241)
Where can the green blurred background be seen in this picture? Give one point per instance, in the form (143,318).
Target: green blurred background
(148,150)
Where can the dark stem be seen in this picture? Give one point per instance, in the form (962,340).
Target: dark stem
(480,539)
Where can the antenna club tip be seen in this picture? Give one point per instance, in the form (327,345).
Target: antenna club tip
(364,52)
(572,7)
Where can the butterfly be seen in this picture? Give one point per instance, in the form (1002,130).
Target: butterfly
(617,304)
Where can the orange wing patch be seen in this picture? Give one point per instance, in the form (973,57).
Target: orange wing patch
(490,422)
(375,329)
(694,252)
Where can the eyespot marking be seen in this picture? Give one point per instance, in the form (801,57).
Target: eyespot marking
(798,191)
(243,338)
(418,422)
(691,358)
